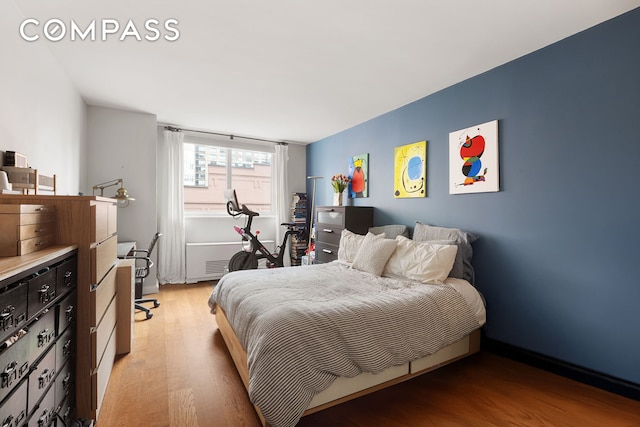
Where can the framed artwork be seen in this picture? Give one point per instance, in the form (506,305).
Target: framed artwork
(473,159)
(359,175)
(410,170)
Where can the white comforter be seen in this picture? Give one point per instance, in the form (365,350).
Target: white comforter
(304,326)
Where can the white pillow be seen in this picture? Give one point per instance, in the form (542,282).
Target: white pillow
(349,245)
(424,262)
(374,254)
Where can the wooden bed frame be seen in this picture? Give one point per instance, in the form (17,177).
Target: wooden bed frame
(345,389)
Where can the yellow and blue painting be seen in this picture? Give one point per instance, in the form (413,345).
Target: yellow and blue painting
(410,170)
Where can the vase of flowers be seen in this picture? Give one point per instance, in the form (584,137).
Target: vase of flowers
(339,183)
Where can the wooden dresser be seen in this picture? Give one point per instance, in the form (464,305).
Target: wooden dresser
(90,222)
(331,220)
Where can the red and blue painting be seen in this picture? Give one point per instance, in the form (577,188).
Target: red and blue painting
(473,159)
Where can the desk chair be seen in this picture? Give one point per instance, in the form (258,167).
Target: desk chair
(143,268)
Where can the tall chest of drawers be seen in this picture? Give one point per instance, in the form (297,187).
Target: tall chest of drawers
(331,220)
(38,337)
(90,222)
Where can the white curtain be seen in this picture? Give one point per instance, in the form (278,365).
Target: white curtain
(282,197)
(171,251)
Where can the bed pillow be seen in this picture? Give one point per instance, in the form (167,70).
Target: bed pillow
(425,262)
(462,268)
(349,245)
(391,231)
(374,253)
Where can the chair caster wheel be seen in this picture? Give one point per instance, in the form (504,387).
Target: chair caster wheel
(149,315)
(156,304)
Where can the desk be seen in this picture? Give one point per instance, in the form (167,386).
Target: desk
(125,248)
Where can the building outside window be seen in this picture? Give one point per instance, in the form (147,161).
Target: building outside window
(209,170)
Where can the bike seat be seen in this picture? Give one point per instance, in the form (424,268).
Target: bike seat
(289,224)
(245,210)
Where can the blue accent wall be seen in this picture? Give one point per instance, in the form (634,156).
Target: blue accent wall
(558,258)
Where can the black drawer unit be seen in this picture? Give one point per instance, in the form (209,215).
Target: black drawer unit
(37,342)
(331,220)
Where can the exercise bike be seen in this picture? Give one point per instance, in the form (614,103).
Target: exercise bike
(247,259)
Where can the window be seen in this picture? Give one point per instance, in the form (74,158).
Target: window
(209,170)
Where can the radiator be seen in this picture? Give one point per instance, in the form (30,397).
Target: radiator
(209,261)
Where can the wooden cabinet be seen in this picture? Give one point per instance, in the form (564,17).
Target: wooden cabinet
(26,228)
(331,220)
(38,335)
(90,223)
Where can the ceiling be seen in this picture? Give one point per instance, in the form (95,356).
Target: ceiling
(296,70)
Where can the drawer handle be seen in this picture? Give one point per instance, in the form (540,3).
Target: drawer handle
(69,314)
(45,378)
(9,374)
(45,337)
(66,349)
(6,317)
(327,230)
(327,251)
(44,295)
(66,383)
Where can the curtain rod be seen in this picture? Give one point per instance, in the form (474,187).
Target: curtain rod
(228,135)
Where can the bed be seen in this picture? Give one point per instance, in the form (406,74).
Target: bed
(307,338)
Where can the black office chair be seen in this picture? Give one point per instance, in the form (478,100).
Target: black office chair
(143,268)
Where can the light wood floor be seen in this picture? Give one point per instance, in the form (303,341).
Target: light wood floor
(180,374)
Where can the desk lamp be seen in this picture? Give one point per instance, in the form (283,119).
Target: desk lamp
(122,197)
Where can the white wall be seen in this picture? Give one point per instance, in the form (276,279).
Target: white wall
(123,144)
(41,114)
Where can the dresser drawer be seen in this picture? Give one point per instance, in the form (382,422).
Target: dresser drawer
(100,375)
(103,257)
(24,209)
(31,245)
(102,335)
(104,217)
(42,290)
(41,335)
(64,383)
(36,230)
(14,366)
(13,308)
(102,296)
(325,234)
(330,216)
(65,347)
(326,252)
(14,410)
(67,312)
(67,275)
(42,376)
(44,414)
